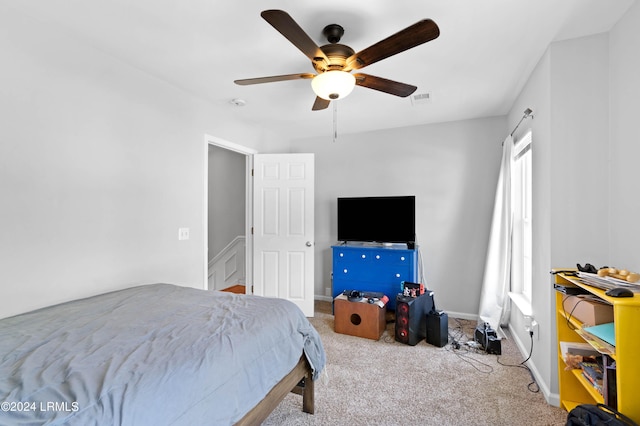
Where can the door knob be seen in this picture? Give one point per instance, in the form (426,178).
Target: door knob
(309,244)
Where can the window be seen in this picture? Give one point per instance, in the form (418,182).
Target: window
(521,189)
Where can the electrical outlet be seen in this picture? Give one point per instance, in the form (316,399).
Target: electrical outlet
(531,326)
(528,321)
(183,234)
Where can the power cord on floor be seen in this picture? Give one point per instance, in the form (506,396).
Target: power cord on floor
(533,385)
(462,347)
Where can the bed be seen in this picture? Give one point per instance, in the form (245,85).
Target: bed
(156,354)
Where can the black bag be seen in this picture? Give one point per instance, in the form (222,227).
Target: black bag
(597,415)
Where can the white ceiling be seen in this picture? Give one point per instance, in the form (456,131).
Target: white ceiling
(485,52)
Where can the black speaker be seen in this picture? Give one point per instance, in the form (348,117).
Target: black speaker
(437,328)
(411,320)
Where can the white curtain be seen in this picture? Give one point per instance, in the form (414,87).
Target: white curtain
(497,271)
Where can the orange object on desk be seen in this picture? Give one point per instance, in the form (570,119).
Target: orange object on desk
(361,319)
(588,310)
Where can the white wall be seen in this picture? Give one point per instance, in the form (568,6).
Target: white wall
(624,199)
(100,165)
(579,120)
(451,168)
(584,95)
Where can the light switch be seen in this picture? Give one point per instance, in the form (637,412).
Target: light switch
(183,233)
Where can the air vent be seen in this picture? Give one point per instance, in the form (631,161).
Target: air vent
(421,98)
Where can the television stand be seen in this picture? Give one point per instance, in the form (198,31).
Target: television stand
(373,268)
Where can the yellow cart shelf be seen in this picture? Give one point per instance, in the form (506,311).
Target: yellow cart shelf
(574,388)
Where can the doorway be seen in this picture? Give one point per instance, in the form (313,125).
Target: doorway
(228,209)
(283,210)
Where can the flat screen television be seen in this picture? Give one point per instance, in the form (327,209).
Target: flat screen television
(377,219)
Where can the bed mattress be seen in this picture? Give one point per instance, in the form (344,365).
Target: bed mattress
(156,354)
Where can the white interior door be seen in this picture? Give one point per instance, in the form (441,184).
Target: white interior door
(283,234)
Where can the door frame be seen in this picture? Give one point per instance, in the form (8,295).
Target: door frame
(248,214)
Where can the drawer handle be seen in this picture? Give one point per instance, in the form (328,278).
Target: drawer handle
(402,258)
(397,275)
(345,271)
(377,256)
(364,256)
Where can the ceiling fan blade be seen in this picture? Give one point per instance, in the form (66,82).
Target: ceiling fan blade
(412,36)
(274,78)
(284,23)
(320,104)
(384,85)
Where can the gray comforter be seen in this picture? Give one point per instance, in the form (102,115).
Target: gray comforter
(150,355)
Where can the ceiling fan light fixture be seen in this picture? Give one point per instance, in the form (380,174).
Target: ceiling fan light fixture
(333,85)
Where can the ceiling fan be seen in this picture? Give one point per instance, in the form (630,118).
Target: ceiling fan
(334,62)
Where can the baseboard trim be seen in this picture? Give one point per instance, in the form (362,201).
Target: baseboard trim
(551,398)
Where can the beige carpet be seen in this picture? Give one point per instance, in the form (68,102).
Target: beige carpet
(388,383)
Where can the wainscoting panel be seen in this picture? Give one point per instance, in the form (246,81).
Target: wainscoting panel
(227,268)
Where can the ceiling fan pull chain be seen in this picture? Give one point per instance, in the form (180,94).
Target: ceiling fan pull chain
(335,121)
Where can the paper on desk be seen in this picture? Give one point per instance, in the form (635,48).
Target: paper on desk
(596,343)
(606,283)
(604,332)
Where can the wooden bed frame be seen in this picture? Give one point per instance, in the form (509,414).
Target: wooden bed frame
(297,381)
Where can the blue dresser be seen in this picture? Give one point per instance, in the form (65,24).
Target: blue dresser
(367,268)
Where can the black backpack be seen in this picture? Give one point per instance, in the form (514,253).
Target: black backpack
(597,415)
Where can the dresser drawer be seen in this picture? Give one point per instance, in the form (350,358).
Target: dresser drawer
(382,257)
(376,269)
(372,272)
(374,257)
